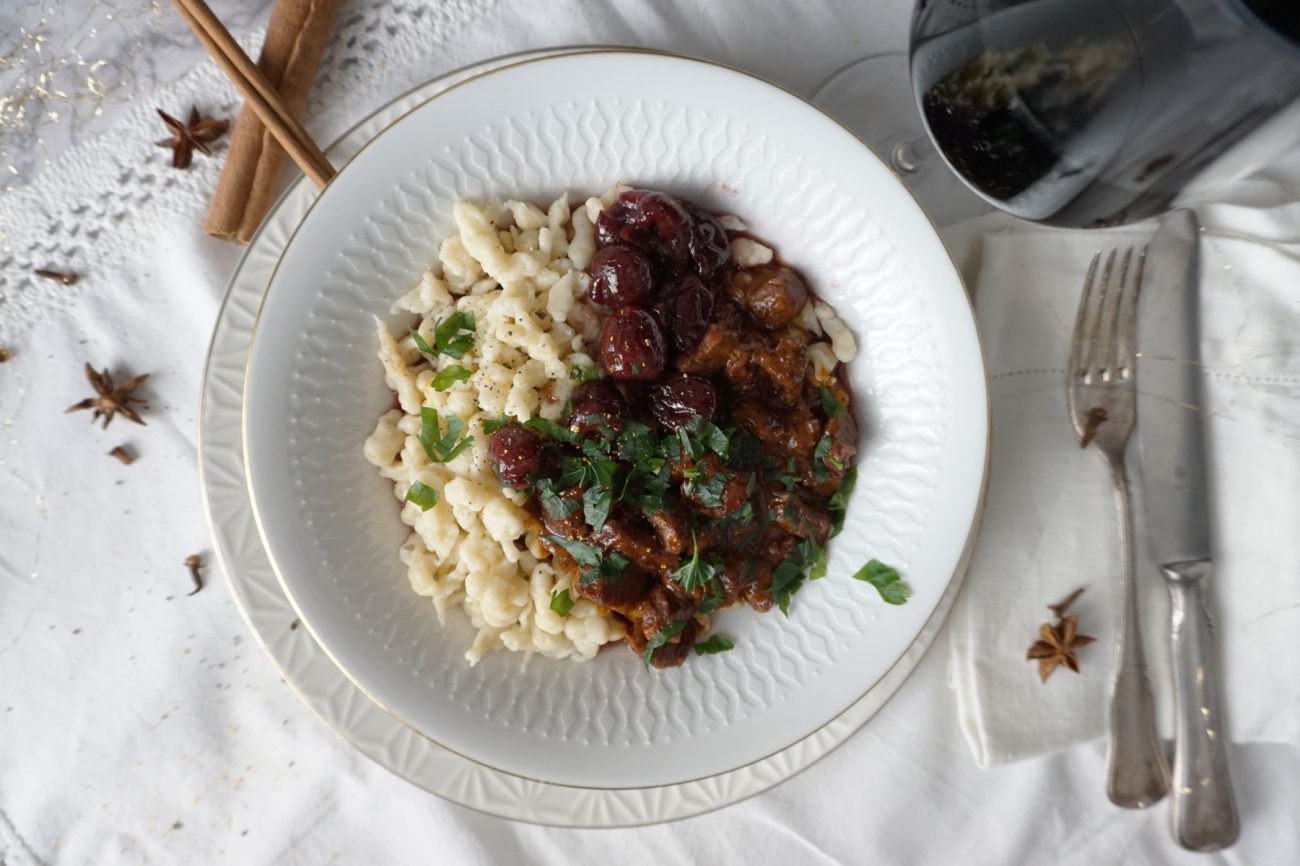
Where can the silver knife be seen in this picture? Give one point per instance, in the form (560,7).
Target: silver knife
(1171,438)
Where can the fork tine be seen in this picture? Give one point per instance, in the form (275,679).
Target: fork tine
(1096,324)
(1082,324)
(1107,359)
(1126,338)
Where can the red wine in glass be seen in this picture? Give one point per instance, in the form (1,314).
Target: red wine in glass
(1101,112)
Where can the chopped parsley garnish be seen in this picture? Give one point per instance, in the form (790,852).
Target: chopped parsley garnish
(718,643)
(597,565)
(596,502)
(706,434)
(584,373)
(887,581)
(694,572)
(422,495)
(575,472)
(830,405)
(454,335)
(548,427)
(839,502)
(421,343)
(441,448)
(492,425)
(562,602)
(664,635)
(707,491)
(808,559)
(449,376)
(582,552)
(556,506)
(820,455)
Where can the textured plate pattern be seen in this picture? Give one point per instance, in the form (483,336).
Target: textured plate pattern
(311,672)
(315,388)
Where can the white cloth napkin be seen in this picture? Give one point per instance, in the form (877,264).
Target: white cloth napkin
(1050,524)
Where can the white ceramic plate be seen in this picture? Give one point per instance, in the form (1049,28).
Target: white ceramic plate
(579,123)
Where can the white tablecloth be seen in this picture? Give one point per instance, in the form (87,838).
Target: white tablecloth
(142,725)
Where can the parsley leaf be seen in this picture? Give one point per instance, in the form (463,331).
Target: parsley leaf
(718,643)
(441,448)
(830,405)
(664,635)
(787,577)
(449,376)
(584,373)
(819,457)
(596,502)
(582,552)
(547,427)
(422,495)
(887,581)
(636,443)
(839,502)
(709,491)
(694,573)
(492,425)
(608,566)
(705,434)
(557,507)
(575,472)
(454,335)
(561,602)
(808,559)
(421,343)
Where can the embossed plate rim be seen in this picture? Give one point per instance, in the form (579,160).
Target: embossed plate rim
(422,762)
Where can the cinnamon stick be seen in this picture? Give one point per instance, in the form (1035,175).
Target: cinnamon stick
(295,40)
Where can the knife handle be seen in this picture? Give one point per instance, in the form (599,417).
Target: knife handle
(1204,811)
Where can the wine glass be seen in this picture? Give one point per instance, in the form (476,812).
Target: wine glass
(1078,112)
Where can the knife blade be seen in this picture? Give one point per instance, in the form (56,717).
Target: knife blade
(1170,424)
(1170,436)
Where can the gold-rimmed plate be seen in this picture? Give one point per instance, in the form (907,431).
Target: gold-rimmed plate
(633,805)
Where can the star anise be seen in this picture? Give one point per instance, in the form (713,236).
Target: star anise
(1057,644)
(188,137)
(109,398)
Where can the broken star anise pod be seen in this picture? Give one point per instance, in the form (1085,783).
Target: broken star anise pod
(1058,643)
(196,134)
(109,398)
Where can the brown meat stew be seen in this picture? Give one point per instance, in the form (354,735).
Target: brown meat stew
(703,464)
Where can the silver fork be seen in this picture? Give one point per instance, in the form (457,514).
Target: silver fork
(1103,408)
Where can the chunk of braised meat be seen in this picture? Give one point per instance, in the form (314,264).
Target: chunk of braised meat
(571,526)
(718,345)
(789,433)
(677,397)
(772,294)
(625,537)
(632,346)
(709,245)
(783,367)
(621,276)
(661,607)
(654,221)
(515,453)
(621,594)
(597,404)
(672,529)
(734,492)
(792,511)
(678,649)
(748,579)
(688,308)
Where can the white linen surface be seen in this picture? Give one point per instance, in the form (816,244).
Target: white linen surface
(140,725)
(1050,525)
